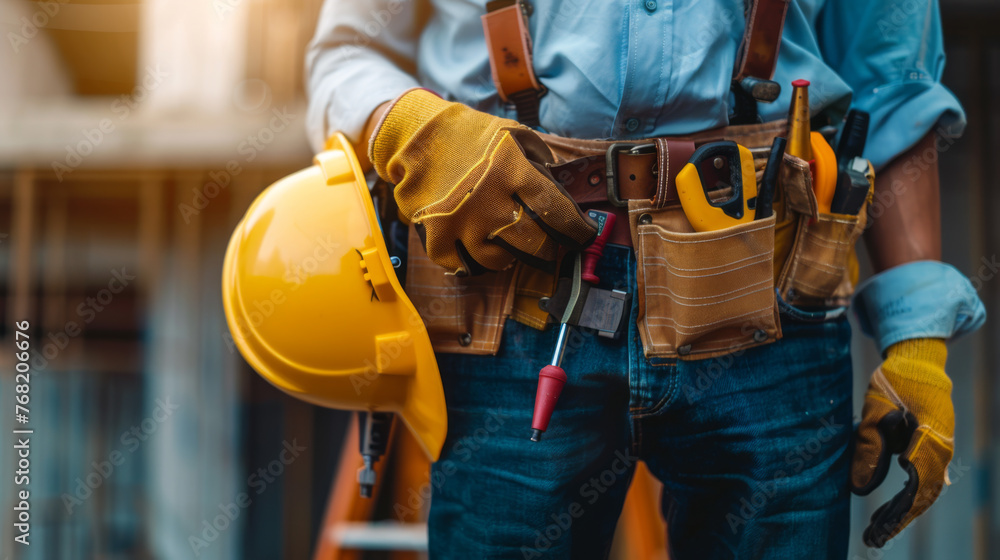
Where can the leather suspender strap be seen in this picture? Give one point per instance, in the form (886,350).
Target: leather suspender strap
(509,45)
(758,53)
(757,58)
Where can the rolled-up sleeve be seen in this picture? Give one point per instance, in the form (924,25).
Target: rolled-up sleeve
(891,53)
(363,54)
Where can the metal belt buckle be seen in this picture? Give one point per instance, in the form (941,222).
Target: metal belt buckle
(611,167)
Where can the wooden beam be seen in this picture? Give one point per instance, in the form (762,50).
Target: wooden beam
(22,244)
(53,273)
(152,226)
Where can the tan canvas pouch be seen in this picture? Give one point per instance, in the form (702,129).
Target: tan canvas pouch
(702,294)
(821,268)
(462,315)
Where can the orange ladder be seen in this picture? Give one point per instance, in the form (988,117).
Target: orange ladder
(349,530)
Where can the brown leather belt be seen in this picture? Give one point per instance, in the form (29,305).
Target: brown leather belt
(627,171)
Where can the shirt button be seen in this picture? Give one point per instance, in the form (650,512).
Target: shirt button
(632,125)
(650,6)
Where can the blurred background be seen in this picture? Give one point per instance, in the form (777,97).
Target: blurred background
(133,136)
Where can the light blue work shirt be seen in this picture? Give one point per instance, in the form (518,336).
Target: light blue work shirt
(638,68)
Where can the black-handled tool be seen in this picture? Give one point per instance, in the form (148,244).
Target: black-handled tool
(853,184)
(768,184)
(854,172)
(853,137)
(374,428)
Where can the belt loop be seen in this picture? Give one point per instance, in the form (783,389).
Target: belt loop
(671,156)
(662,172)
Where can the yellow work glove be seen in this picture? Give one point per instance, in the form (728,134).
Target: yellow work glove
(908,410)
(475,185)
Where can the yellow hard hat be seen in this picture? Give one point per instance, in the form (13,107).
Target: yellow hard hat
(314,305)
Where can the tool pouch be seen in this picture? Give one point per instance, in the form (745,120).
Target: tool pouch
(462,315)
(702,294)
(821,268)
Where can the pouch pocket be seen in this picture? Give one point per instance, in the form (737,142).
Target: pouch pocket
(821,268)
(818,267)
(462,315)
(703,294)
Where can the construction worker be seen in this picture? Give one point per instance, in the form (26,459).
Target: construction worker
(752,435)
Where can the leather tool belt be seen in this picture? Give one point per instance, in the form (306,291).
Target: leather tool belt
(700,294)
(624,171)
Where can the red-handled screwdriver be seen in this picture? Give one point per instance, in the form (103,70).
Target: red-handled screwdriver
(552,378)
(594,251)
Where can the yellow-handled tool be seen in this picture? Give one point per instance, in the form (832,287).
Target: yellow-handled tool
(812,147)
(718,186)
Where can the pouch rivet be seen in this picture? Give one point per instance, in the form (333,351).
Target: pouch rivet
(684,350)
(759,335)
(594,179)
(465,339)
(645,219)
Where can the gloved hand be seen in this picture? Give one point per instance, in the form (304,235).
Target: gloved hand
(907,410)
(475,185)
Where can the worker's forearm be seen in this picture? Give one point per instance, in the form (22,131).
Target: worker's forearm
(361,148)
(905,215)
(350,67)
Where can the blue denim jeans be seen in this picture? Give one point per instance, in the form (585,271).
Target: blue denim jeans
(752,448)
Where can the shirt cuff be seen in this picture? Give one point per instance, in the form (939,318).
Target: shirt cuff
(922,299)
(345,102)
(903,113)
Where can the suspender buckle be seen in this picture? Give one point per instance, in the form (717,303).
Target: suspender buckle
(747,93)
(765,91)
